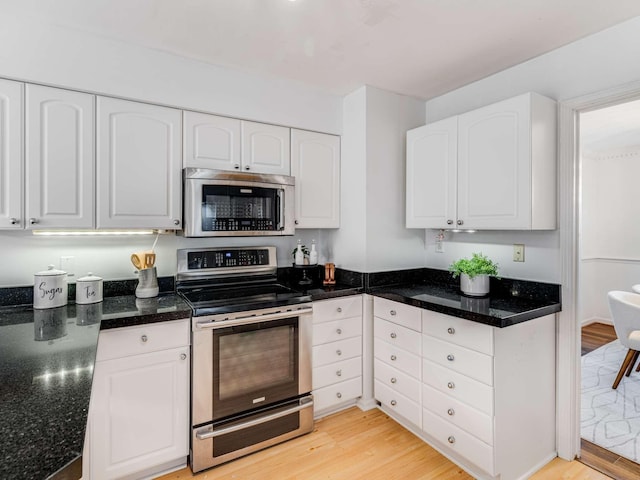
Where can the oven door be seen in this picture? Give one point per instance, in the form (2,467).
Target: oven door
(247,364)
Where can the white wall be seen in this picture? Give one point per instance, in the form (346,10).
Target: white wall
(372,236)
(610,233)
(598,62)
(62,57)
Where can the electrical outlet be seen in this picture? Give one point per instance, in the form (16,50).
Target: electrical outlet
(68,264)
(518,252)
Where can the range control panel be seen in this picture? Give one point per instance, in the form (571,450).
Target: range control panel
(227,258)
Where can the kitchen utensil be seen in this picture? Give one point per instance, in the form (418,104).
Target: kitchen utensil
(147,283)
(50,288)
(137,261)
(89,289)
(149,259)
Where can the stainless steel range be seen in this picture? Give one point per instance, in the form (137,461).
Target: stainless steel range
(251,353)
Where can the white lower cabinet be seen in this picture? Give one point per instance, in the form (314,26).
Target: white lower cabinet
(486,395)
(139,414)
(397,361)
(337,353)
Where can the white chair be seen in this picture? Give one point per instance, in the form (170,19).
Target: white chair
(625,310)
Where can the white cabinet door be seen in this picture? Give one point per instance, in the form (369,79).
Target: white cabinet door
(506,165)
(431,175)
(11,159)
(139,165)
(315,162)
(211,141)
(59,158)
(265,148)
(139,413)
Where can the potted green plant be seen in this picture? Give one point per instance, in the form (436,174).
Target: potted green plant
(474,274)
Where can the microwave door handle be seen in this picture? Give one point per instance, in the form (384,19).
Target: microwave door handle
(280,207)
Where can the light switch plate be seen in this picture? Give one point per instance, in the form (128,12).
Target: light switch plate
(518,252)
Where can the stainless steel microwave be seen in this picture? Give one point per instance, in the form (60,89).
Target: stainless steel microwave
(220,203)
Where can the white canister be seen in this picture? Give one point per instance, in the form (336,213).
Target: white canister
(50,288)
(89,289)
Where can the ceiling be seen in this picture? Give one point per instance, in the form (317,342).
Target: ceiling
(421,48)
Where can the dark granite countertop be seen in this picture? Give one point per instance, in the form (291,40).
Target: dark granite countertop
(46,370)
(502,308)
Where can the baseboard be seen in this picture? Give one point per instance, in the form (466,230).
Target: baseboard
(365,405)
(589,321)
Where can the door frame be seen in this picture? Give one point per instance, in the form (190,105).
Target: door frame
(568,328)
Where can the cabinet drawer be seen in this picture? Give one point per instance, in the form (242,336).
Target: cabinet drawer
(396,380)
(337,330)
(468,362)
(345,307)
(336,394)
(123,342)
(336,351)
(397,357)
(459,441)
(398,335)
(399,313)
(397,402)
(459,386)
(460,414)
(465,333)
(337,372)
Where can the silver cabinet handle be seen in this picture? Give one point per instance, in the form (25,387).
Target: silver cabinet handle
(339,395)
(449,222)
(247,167)
(339,331)
(451,439)
(393,403)
(451,412)
(393,380)
(14,221)
(450,358)
(392,312)
(459,222)
(183,356)
(176,222)
(338,352)
(451,385)
(33,221)
(451,330)
(339,309)
(339,373)
(236,166)
(393,358)
(393,335)
(144,338)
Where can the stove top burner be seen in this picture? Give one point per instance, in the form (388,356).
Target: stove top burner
(224,299)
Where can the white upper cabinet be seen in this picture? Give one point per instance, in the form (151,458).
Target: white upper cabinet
(431,174)
(59,158)
(315,163)
(265,148)
(11,159)
(211,141)
(504,173)
(139,165)
(225,143)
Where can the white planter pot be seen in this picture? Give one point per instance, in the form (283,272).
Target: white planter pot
(477,286)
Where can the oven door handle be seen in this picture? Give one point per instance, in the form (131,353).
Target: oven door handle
(253,423)
(253,319)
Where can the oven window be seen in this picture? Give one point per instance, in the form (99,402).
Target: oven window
(254,365)
(231,208)
(256,360)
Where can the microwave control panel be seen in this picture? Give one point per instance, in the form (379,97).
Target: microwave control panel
(237,225)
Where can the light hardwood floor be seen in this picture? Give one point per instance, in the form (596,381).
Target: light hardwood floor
(352,445)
